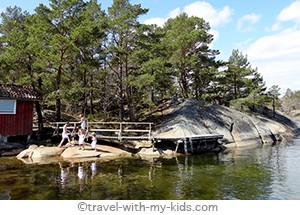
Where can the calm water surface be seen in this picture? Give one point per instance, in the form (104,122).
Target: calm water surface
(270,172)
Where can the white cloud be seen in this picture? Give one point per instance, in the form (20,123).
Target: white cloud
(161,21)
(277,55)
(277,58)
(155,21)
(174,13)
(275,27)
(290,13)
(199,9)
(247,22)
(215,33)
(243,44)
(216,36)
(209,13)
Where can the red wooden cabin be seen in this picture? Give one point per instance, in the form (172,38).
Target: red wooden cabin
(16,109)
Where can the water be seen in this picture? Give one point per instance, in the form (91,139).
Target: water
(270,172)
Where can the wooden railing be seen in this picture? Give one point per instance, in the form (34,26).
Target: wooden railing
(58,126)
(112,130)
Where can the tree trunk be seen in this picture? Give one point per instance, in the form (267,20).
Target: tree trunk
(184,84)
(130,106)
(38,107)
(129,94)
(121,92)
(91,103)
(274,112)
(153,100)
(84,104)
(235,87)
(39,115)
(37,103)
(58,109)
(58,99)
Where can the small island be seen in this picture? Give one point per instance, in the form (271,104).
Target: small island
(109,100)
(58,63)
(207,129)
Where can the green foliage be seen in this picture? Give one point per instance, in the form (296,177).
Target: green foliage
(244,87)
(15,57)
(251,102)
(290,101)
(83,59)
(187,41)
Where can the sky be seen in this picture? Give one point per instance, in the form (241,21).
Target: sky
(267,31)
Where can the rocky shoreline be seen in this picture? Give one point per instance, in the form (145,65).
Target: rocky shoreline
(239,129)
(189,117)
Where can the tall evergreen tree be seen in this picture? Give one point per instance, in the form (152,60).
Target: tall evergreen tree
(274,94)
(236,75)
(76,55)
(62,35)
(17,57)
(152,79)
(243,84)
(121,43)
(191,58)
(89,37)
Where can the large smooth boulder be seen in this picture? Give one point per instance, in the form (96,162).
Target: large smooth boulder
(75,152)
(102,151)
(190,117)
(40,152)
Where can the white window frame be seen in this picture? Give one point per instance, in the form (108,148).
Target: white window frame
(8,111)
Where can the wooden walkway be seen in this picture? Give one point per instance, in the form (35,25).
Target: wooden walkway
(112,130)
(136,131)
(188,141)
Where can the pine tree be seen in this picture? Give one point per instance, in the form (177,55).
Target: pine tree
(65,37)
(244,86)
(121,43)
(274,94)
(189,54)
(17,57)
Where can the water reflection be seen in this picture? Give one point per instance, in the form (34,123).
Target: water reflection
(93,168)
(5,196)
(120,175)
(261,173)
(64,172)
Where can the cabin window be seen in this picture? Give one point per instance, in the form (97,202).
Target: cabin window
(8,106)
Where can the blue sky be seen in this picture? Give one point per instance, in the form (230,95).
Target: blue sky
(267,31)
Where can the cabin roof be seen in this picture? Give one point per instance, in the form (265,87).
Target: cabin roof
(24,92)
